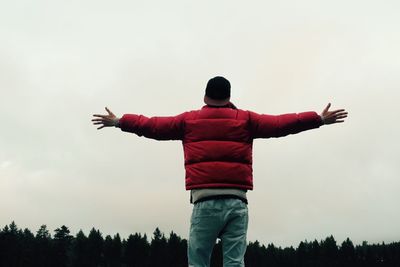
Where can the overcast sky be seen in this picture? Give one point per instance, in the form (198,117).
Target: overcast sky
(62,61)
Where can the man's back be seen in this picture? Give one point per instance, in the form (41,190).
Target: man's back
(218,148)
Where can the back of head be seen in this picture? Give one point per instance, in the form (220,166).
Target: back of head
(218,91)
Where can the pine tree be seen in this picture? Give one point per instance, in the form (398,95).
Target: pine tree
(137,251)
(272,255)
(347,253)
(43,250)
(112,251)
(28,248)
(80,250)
(62,242)
(255,255)
(116,250)
(329,251)
(95,247)
(176,251)
(10,245)
(158,248)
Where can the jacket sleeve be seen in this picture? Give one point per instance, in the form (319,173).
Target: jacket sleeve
(159,128)
(264,126)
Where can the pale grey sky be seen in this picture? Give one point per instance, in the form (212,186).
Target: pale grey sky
(61,61)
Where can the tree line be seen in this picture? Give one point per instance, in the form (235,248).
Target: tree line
(20,247)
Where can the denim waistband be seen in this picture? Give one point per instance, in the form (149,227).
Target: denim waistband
(221,197)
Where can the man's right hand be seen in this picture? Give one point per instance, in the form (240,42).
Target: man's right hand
(109,120)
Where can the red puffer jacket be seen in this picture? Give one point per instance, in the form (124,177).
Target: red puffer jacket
(218,141)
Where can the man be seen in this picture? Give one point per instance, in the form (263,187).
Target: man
(217,142)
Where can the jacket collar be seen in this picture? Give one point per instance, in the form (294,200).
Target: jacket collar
(229,105)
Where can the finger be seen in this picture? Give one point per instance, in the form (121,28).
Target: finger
(327,107)
(101,127)
(97,119)
(96,123)
(99,115)
(337,111)
(340,114)
(340,117)
(102,121)
(109,112)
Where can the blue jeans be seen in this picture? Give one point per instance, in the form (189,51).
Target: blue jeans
(226,219)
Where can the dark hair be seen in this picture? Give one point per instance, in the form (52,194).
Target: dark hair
(218,88)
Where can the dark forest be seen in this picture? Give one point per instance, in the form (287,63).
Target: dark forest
(21,247)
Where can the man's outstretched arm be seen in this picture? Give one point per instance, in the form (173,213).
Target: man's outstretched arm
(264,126)
(159,128)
